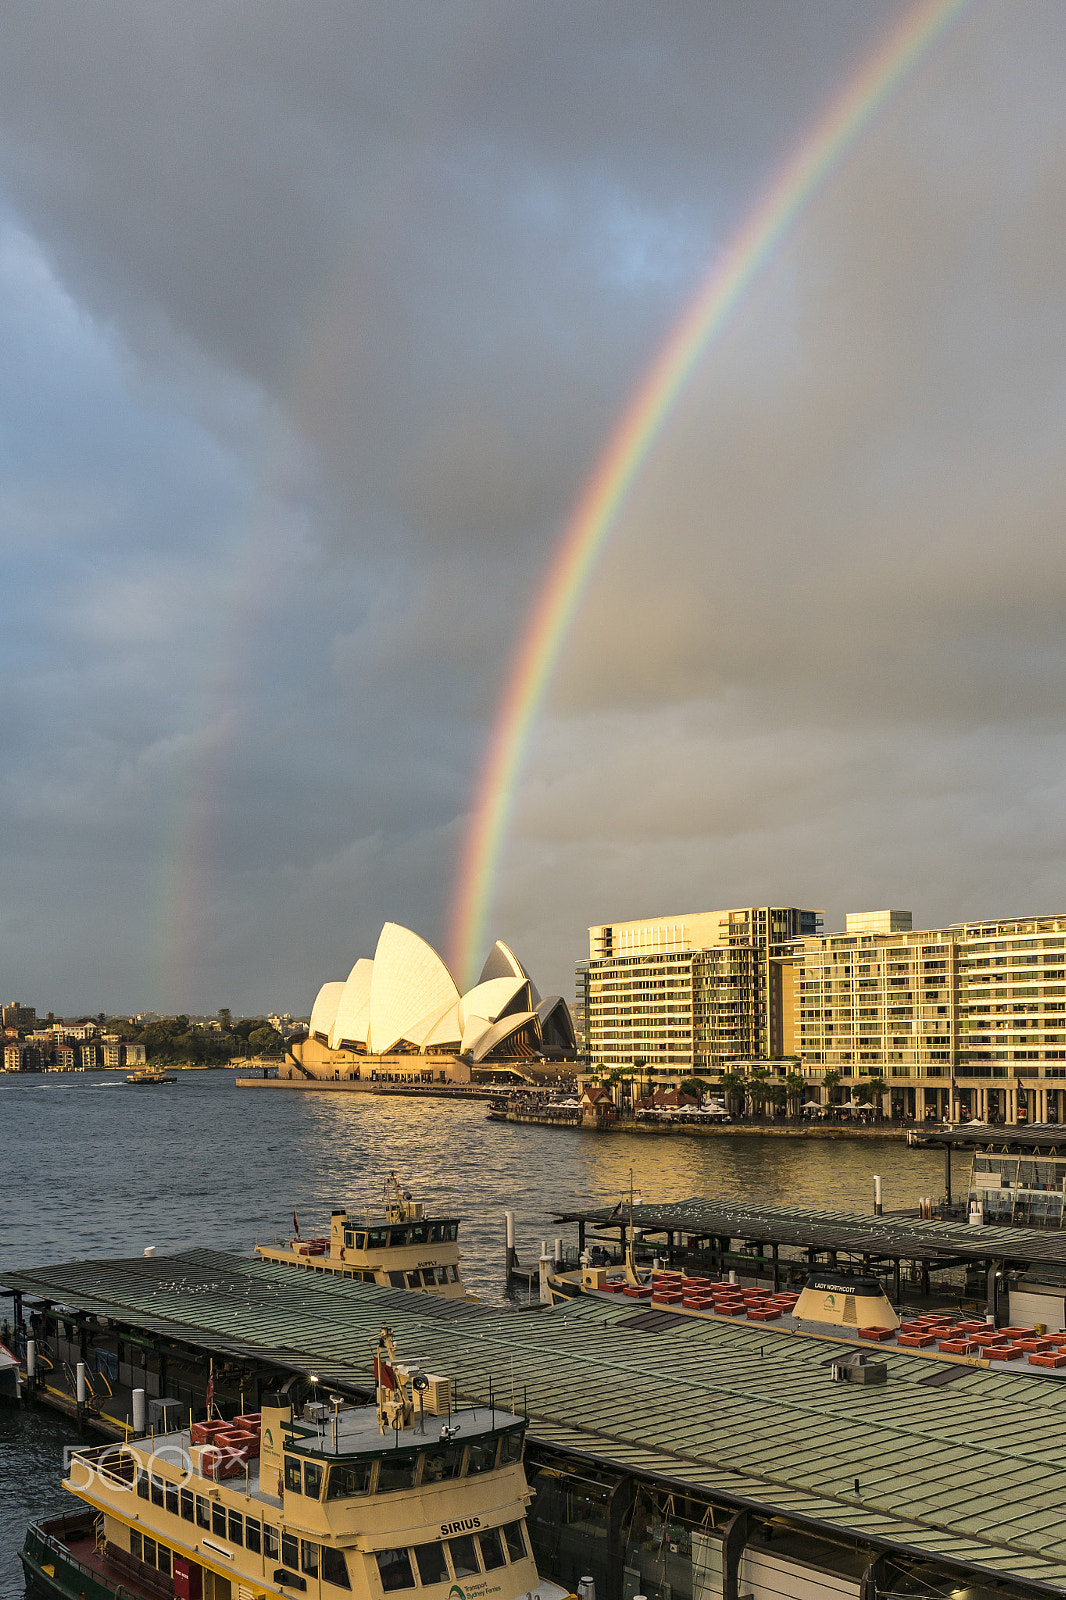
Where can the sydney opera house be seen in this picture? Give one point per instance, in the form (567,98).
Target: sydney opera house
(402,1013)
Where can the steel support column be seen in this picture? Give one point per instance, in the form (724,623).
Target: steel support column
(737,1534)
(872,1579)
(621,1505)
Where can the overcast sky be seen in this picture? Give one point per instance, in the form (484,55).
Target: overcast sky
(313,323)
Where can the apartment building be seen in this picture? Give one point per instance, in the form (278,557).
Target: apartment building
(968,1020)
(695,992)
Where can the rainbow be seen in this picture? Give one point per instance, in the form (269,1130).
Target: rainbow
(596,512)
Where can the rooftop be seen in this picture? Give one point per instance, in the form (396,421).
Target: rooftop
(967,1469)
(887,1238)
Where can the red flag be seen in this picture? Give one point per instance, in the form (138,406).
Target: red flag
(383,1373)
(210,1397)
(295,1223)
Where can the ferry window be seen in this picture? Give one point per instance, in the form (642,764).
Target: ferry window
(429,1277)
(171,1494)
(491,1549)
(512,1448)
(270,1542)
(293,1479)
(432,1567)
(453,1274)
(397,1470)
(334,1567)
(441,1464)
(420,1233)
(414,1280)
(163,1559)
(236,1528)
(360,1241)
(397,1280)
(157,1489)
(398,1237)
(464,1556)
(451,1231)
(203,1518)
(218,1519)
(309,1558)
(482,1455)
(142,1485)
(135,1543)
(394,1570)
(515,1541)
(436,1233)
(251,1534)
(149,1551)
(349,1239)
(378,1238)
(442,1274)
(187,1504)
(290,1553)
(313,1479)
(347,1482)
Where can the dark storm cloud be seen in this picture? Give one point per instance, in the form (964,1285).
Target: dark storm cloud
(313,331)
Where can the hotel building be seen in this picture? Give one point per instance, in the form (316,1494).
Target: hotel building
(692,993)
(969,1019)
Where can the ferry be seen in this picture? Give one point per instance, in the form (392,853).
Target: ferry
(149,1076)
(395,1244)
(340,1501)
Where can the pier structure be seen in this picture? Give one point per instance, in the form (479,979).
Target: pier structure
(994,1264)
(668,1455)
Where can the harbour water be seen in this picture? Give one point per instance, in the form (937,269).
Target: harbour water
(98,1168)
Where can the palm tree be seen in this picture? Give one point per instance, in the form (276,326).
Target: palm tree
(831,1081)
(757,1088)
(878,1088)
(733,1088)
(795,1084)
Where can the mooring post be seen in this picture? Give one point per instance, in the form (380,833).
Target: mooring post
(508,1217)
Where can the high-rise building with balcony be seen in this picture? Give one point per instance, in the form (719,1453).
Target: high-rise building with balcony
(964,1020)
(692,993)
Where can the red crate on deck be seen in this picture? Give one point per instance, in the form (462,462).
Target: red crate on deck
(1003,1352)
(956,1347)
(763,1313)
(695,1302)
(250,1422)
(1048,1358)
(972,1327)
(1038,1346)
(637,1293)
(204,1432)
(1017,1331)
(730,1308)
(878,1335)
(916,1341)
(989,1337)
(666,1297)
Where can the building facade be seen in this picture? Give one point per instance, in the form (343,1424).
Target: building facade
(964,1021)
(692,993)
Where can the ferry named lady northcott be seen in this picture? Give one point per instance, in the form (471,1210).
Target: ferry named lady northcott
(396,1244)
(338,1502)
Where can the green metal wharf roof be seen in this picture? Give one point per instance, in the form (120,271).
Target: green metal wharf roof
(968,1470)
(887,1238)
(1028,1138)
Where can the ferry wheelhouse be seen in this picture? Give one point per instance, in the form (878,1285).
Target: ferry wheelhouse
(339,1503)
(396,1244)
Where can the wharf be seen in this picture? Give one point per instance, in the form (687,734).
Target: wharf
(735,1430)
(698,1130)
(703,1232)
(412,1091)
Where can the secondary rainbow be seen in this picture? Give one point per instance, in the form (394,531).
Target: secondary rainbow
(596,512)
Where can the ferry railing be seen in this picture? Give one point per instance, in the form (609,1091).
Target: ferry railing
(56,1547)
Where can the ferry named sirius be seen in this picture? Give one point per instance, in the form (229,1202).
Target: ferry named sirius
(339,1501)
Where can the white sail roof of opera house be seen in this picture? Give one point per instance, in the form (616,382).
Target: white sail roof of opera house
(406,1000)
